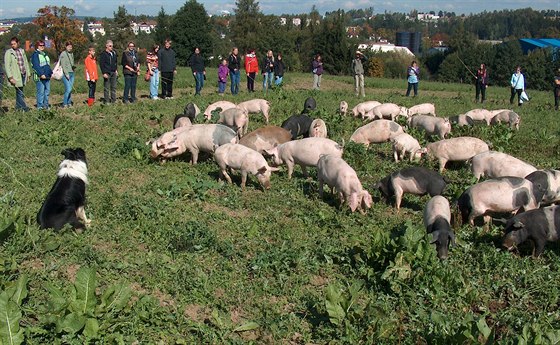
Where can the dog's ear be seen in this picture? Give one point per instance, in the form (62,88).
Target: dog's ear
(80,154)
(67,153)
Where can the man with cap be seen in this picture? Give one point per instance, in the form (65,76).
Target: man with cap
(358,70)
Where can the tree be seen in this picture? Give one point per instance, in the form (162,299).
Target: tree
(119,30)
(190,28)
(55,23)
(162,28)
(333,44)
(245,25)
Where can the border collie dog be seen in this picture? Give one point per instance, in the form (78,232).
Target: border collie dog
(66,201)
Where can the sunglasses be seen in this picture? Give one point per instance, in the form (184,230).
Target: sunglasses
(41,45)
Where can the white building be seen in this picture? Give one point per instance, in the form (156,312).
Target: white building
(96,27)
(146,27)
(385,48)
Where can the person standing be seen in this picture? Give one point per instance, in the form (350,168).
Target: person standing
(234,65)
(131,70)
(556,89)
(223,72)
(317,69)
(358,70)
(196,61)
(153,63)
(268,70)
(279,68)
(481,83)
(168,68)
(251,69)
(90,69)
(517,83)
(413,72)
(17,71)
(42,72)
(1,87)
(68,67)
(108,65)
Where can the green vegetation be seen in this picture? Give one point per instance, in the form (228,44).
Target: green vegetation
(174,257)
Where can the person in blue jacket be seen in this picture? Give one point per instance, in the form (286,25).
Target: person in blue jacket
(42,72)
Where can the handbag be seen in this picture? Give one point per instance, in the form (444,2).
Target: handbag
(147,76)
(57,71)
(524,97)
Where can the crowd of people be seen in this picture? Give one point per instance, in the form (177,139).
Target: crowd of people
(161,69)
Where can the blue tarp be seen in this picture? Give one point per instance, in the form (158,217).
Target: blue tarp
(530,44)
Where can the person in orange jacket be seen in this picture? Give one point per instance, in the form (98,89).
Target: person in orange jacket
(251,69)
(91,74)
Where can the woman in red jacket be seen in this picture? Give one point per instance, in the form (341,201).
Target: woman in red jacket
(91,74)
(251,69)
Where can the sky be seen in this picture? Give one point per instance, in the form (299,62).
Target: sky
(106,8)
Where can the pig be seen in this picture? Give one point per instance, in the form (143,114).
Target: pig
(376,132)
(343,108)
(497,111)
(422,109)
(508,116)
(437,220)
(318,129)
(455,149)
(298,125)
(413,180)
(235,119)
(194,139)
(549,183)
(239,157)
(480,115)
(461,120)
(538,226)
(256,105)
(304,152)
(309,105)
(362,108)
(405,143)
(181,121)
(340,176)
(494,164)
(388,111)
(501,195)
(220,105)
(265,138)
(431,125)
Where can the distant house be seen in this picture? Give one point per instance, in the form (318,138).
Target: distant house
(388,47)
(530,44)
(6,25)
(296,21)
(96,27)
(146,27)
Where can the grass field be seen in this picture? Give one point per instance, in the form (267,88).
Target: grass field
(174,257)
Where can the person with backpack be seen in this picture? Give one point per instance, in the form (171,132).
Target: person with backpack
(42,73)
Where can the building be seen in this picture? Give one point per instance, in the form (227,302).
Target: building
(530,44)
(147,27)
(385,48)
(411,40)
(96,28)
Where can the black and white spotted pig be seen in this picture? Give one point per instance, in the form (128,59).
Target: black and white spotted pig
(413,180)
(539,226)
(549,181)
(437,220)
(501,195)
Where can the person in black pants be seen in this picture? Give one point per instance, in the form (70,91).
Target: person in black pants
(556,89)
(168,69)
(481,83)
(196,61)
(108,66)
(131,70)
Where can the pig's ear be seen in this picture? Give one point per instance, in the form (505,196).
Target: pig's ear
(262,170)
(435,236)
(518,224)
(150,142)
(353,201)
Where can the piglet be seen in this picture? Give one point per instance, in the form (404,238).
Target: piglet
(254,106)
(318,129)
(431,125)
(507,116)
(343,108)
(437,220)
(388,111)
(455,149)
(265,138)
(298,125)
(461,120)
(422,109)
(340,176)
(494,164)
(405,143)
(239,157)
(220,105)
(361,109)
(549,183)
(376,132)
(480,115)
(235,119)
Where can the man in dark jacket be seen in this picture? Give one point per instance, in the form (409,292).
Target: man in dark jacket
(234,63)
(168,68)
(196,62)
(108,66)
(131,70)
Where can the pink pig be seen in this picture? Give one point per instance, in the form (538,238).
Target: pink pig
(256,105)
(223,105)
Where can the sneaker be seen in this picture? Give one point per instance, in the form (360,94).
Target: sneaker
(155,97)
(169,97)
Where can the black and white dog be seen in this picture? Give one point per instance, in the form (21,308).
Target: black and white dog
(66,201)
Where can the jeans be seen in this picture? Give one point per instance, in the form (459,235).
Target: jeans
(154,83)
(235,80)
(359,85)
(316,81)
(43,91)
(221,87)
(110,87)
(278,80)
(91,88)
(199,82)
(410,87)
(130,87)
(480,90)
(167,84)
(251,81)
(268,77)
(513,92)
(68,84)
(20,101)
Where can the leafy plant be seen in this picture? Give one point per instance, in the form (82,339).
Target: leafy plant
(10,311)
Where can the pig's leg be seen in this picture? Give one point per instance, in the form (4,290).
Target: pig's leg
(398,196)
(224,173)
(243,179)
(442,162)
(538,247)
(194,158)
(396,155)
(290,165)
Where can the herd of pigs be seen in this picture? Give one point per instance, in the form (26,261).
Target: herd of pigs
(513,186)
